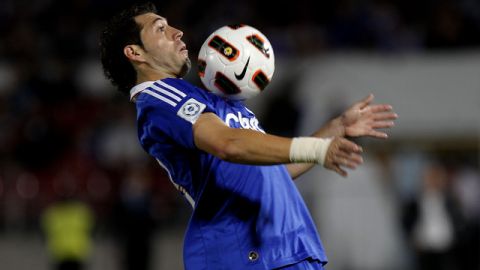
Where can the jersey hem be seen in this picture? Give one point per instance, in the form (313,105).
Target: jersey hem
(296,259)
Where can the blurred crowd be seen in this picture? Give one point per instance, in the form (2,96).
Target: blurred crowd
(66,133)
(438,199)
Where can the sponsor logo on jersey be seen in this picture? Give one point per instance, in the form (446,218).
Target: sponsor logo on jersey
(233,120)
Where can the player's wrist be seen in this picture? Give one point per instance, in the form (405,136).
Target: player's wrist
(309,150)
(338,126)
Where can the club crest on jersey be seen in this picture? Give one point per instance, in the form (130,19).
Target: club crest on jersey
(235,120)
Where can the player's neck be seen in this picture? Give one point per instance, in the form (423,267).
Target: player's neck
(152,76)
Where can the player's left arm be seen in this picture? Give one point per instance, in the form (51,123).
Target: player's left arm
(361,119)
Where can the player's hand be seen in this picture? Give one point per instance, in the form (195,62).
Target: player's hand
(341,154)
(364,118)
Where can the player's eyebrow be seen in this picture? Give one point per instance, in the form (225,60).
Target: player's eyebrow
(160,18)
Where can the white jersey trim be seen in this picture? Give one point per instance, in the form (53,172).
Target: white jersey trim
(167,86)
(177,186)
(162,98)
(165,92)
(139,88)
(160,90)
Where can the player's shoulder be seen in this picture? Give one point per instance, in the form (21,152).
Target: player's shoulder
(178,84)
(169,92)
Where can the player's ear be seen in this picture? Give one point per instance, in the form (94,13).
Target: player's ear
(134,53)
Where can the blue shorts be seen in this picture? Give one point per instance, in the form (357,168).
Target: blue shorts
(307,264)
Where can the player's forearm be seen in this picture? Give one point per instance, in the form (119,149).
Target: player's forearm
(253,147)
(246,146)
(297,169)
(239,145)
(334,128)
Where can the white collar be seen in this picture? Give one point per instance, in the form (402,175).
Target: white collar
(139,88)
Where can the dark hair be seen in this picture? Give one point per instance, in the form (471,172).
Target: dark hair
(122,30)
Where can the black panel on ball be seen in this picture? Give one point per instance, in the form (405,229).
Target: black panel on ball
(225,85)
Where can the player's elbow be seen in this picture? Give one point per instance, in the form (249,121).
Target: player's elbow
(230,150)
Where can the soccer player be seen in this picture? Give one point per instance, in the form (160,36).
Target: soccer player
(247,212)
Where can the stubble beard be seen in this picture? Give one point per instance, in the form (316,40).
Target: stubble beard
(185,68)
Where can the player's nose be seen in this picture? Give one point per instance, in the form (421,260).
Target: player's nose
(177,34)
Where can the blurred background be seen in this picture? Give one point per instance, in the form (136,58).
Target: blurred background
(77,190)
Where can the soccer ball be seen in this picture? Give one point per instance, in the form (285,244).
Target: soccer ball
(236,62)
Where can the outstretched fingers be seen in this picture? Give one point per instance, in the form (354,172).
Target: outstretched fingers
(343,153)
(339,170)
(384,116)
(383,124)
(366,101)
(381,108)
(348,146)
(377,134)
(348,161)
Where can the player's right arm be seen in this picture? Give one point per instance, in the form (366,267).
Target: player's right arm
(246,146)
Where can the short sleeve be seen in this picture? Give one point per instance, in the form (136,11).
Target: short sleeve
(166,113)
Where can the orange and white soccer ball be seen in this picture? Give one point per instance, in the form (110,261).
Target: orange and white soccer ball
(236,62)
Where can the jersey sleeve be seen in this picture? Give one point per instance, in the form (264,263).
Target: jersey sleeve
(169,116)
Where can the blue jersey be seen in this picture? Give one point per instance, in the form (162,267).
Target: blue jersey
(244,216)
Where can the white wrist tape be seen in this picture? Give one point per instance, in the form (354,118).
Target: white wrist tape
(309,150)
